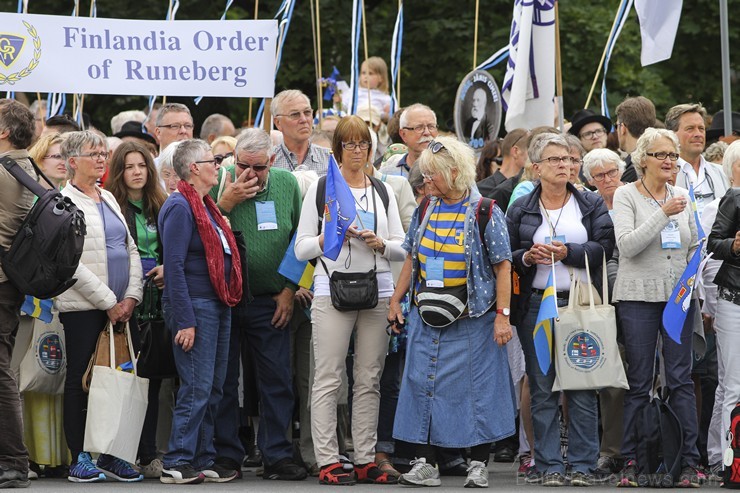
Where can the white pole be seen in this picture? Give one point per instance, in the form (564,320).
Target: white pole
(725,44)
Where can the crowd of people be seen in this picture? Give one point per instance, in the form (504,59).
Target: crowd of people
(433,370)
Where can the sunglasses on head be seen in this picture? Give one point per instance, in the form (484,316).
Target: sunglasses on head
(435,146)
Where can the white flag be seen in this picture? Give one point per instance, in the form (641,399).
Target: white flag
(658,26)
(529,84)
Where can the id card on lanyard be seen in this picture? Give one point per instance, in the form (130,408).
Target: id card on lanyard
(435,272)
(224,242)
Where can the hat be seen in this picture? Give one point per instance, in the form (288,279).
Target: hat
(717,128)
(369,115)
(133,129)
(584,117)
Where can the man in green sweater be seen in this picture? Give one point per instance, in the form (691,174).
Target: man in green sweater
(264,203)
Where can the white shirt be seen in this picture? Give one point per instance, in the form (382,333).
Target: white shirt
(709,184)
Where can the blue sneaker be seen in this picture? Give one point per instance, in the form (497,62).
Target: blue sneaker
(84,470)
(118,469)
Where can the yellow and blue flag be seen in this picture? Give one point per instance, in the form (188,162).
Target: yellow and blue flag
(692,197)
(37,308)
(543,327)
(339,210)
(297,271)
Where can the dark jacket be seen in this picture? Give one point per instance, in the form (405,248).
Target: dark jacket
(723,232)
(630,173)
(524,217)
(130,215)
(502,193)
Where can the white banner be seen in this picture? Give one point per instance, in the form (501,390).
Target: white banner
(48,53)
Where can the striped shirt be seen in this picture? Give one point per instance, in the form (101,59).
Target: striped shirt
(443,238)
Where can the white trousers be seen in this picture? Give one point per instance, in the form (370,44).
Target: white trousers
(727,327)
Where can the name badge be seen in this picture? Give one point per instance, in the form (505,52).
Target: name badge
(147,264)
(435,272)
(670,237)
(365,219)
(549,240)
(266,216)
(224,243)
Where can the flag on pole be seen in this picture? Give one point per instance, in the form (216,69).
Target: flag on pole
(674,313)
(692,197)
(396,49)
(625,6)
(543,327)
(298,271)
(658,27)
(528,91)
(339,210)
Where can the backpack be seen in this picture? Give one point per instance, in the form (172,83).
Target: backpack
(732,469)
(46,250)
(659,437)
(482,214)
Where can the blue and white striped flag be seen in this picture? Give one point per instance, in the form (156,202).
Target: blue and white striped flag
(622,13)
(396,49)
(528,91)
(354,83)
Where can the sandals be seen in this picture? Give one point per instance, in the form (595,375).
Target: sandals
(386,466)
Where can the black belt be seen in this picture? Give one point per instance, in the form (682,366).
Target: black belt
(731,295)
(559,294)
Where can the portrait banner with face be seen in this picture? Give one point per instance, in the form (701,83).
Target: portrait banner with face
(65,54)
(477,109)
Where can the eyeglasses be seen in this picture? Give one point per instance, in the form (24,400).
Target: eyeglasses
(351,146)
(220,157)
(213,161)
(429,176)
(55,156)
(673,156)
(96,155)
(419,129)
(554,160)
(255,167)
(296,115)
(177,126)
(593,133)
(435,146)
(612,173)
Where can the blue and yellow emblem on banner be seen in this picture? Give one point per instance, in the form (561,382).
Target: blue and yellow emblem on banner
(11,49)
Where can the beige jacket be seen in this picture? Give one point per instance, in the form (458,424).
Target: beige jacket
(15,201)
(91,291)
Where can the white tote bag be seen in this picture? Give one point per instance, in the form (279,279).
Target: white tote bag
(116,408)
(44,366)
(585,341)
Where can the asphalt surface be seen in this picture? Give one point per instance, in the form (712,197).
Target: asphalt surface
(503,477)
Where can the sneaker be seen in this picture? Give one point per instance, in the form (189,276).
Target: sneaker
(335,474)
(627,477)
(553,479)
(477,475)
(605,466)
(118,469)
(691,477)
(285,470)
(32,476)
(84,470)
(505,454)
(579,478)
(182,474)
(228,463)
(525,463)
(254,459)
(218,474)
(371,473)
(152,470)
(421,474)
(716,472)
(12,478)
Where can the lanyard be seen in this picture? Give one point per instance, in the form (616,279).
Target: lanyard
(553,229)
(364,196)
(459,209)
(667,193)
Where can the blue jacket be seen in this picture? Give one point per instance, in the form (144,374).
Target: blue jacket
(524,217)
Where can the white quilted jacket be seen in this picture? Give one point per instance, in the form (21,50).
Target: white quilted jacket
(91,291)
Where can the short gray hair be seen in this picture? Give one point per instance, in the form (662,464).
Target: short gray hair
(254,140)
(600,157)
(454,154)
(75,141)
(646,140)
(732,155)
(404,120)
(276,106)
(165,157)
(171,108)
(574,144)
(715,151)
(673,117)
(188,152)
(213,125)
(539,143)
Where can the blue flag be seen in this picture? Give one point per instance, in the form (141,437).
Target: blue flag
(37,308)
(699,229)
(543,328)
(674,313)
(339,210)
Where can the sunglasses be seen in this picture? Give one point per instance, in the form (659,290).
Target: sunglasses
(220,157)
(435,146)
(255,167)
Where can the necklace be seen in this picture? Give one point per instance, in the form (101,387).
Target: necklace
(642,180)
(553,229)
(459,209)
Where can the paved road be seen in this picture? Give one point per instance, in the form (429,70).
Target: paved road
(502,477)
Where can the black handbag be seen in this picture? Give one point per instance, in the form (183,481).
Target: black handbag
(156,359)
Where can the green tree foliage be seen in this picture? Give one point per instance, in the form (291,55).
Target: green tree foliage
(438,50)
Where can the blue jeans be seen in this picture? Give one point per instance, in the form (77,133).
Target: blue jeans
(202,372)
(641,324)
(583,428)
(390,385)
(271,352)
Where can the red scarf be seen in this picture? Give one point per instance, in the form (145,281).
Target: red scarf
(232,293)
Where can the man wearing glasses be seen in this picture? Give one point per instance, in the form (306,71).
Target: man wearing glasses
(710,182)
(293,116)
(267,214)
(418,128)
(591,128)
(174,123)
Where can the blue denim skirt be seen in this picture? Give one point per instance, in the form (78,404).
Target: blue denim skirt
(456,389)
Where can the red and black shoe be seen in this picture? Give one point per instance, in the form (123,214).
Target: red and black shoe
(335,474)
(371,473)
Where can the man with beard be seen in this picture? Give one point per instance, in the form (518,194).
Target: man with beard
(476,127)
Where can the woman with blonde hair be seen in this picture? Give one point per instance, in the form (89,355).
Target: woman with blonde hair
(46,152)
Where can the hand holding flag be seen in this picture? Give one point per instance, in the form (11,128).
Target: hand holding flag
(339,210)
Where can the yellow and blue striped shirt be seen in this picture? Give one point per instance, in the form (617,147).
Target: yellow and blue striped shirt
(443,237)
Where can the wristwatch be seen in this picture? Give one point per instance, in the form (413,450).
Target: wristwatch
(503,311)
